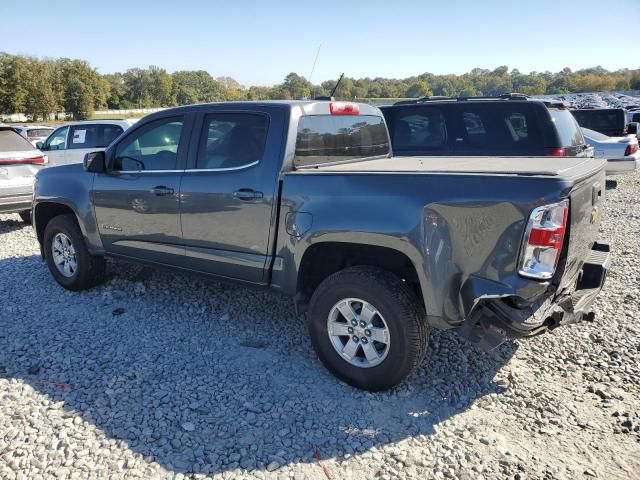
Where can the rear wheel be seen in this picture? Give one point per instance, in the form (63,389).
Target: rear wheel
(368,327)
(67,256)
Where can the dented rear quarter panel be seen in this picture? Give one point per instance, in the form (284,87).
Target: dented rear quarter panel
(462,232)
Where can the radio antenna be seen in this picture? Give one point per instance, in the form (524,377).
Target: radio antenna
(314,63)
(337,84)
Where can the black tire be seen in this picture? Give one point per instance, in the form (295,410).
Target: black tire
(26,216)
(403,313)
(91,269)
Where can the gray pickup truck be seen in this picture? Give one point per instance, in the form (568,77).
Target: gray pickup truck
(305,198)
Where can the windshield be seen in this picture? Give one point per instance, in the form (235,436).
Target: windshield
(39,132)
(593,135)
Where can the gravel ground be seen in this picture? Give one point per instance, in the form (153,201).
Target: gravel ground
(156,375)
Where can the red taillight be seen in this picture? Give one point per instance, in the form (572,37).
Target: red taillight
(543,240)
(344,108)
(41,160)
(555,152)
(631,149)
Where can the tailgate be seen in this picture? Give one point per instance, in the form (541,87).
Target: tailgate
(587,199)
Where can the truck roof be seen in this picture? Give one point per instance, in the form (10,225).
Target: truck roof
(307,107)
(526,166)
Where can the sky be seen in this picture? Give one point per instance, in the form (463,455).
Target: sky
(259,42)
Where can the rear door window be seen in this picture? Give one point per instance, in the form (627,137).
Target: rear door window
(232,140)
(421,130)
(334,138)
(107,134)
(93,135)
(567,127)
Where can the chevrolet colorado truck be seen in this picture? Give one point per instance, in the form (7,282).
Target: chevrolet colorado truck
(305,198)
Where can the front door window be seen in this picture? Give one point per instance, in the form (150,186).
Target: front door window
(152,148)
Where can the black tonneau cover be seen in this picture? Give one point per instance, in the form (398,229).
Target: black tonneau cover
(573,168)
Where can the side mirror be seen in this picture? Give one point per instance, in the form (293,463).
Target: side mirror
(95,162)
(40,145)
(632,128)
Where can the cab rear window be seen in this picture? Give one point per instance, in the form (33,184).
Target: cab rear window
(334,138)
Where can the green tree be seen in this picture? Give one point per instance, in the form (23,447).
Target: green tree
(196,87)
(13,80)
(161,87)
(418,89)
(137,87)
(82,89)
(41,99)
(296,87)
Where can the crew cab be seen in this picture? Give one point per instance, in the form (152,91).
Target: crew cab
(305,198)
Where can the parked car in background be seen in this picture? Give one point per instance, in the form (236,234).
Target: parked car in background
(304,198)
(610,121)
(19,162)
(34,133)
(622,153)
(69,143)
(509,125)
(633,117)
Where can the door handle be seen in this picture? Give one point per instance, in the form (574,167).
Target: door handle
(247,194)
(161,191)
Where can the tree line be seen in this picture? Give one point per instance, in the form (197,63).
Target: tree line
(39,87)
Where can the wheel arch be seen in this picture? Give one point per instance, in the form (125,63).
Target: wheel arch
(322,259)
(44,212)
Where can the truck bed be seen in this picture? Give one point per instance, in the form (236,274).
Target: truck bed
(572,168)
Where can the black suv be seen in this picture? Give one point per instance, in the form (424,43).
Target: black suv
(509,125)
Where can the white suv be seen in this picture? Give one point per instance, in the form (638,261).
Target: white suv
(70,143)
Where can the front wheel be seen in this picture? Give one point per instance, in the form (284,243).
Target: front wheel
(67,257)
(368,327)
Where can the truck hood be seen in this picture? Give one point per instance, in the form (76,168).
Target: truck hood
(571,168)
(71,169)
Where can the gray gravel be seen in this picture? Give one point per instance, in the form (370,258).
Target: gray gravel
(156,375)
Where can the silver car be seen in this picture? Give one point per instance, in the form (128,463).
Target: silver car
(19,162)
(622,153)
(34,133)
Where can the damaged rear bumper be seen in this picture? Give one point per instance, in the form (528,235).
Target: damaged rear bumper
(495,320)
